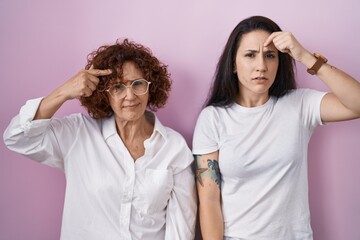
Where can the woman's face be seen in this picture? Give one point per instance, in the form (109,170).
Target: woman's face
(131,107)
(256,66)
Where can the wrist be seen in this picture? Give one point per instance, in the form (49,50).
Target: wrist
(308,59)
(319,62)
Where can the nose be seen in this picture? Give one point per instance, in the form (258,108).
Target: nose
(129,93)
(261,64)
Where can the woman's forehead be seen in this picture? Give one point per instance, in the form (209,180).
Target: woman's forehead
(128,72)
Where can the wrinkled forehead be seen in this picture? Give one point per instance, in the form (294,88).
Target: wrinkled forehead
(127,72)
(254,41)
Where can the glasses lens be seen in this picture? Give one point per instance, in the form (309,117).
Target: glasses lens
(139,87)
(117,90)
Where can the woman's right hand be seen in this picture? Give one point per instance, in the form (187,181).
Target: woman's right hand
(83,84)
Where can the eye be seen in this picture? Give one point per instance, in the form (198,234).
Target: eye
(138,83)
(250,55)
(270,55)
(119,86)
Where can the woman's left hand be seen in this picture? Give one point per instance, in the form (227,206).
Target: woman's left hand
(286,42)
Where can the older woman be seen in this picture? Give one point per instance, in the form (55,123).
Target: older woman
(128,176)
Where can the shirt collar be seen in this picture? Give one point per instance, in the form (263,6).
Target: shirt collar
(109,128)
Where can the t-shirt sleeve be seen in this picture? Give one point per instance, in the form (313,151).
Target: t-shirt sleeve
(207,132)
(308,101)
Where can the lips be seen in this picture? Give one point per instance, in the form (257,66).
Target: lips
(130,106)
(260,78)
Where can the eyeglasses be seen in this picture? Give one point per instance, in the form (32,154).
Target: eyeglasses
(138,87)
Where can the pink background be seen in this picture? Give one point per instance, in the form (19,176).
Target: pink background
(43,43)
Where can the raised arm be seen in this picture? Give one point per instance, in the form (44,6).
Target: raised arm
(343,102)
(208,180)
(82,84)
(33,138)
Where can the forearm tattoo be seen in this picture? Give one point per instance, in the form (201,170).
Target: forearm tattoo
(212,169)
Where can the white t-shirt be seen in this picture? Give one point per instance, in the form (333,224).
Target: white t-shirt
(108,195)
(263,163)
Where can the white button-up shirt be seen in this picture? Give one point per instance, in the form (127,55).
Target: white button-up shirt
(109,195)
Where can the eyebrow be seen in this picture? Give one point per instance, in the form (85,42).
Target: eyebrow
(256,51)
(126,81)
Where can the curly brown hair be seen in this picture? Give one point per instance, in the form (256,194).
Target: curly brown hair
(113,57)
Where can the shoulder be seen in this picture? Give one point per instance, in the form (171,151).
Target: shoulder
(75,120)
(78,118)
(300,92)
(212,110)
(298,95)
(211,114)
(178,153)
(175,137)
(168,133)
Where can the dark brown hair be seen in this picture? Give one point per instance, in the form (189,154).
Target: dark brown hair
(113,57)
(225,89)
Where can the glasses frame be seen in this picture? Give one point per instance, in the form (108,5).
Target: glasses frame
(129,86)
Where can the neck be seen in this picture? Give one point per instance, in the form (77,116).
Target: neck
(130,131)
(253,101)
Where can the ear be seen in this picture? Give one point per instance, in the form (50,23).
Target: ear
(234,68)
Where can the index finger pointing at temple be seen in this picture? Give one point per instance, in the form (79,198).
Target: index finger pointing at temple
(99,72)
